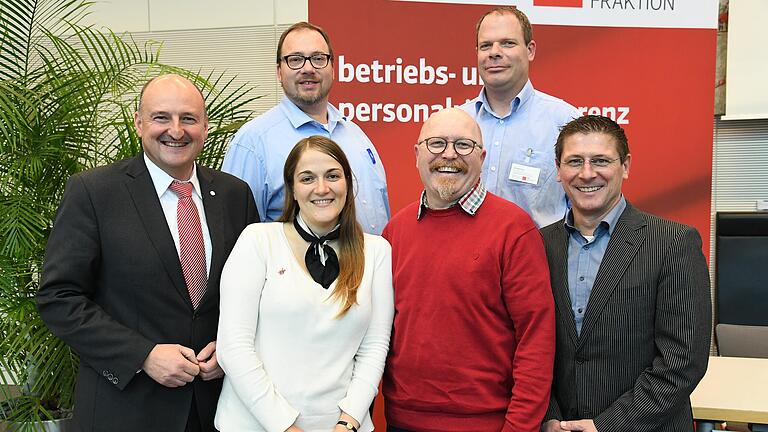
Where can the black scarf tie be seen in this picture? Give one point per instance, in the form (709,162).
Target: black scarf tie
(321,259)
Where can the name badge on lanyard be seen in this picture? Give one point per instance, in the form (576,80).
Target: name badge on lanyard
(524,173)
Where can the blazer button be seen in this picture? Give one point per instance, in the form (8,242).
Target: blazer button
(105,372)
(115,381)
(110,377)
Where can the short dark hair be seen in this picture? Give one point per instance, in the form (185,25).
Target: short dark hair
(525,24)
(593,124)
(303,25)
(151,80)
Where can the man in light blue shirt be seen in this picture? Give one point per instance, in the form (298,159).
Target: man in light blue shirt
(258,151)
(519,124)
(585,253)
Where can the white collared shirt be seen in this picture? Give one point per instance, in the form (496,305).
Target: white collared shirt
(169,201)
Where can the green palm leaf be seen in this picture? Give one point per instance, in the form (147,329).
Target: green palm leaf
(67,97)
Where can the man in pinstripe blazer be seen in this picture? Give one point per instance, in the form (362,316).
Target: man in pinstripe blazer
(631,293)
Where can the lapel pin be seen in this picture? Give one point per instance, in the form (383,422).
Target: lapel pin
(281,271)
(213,193)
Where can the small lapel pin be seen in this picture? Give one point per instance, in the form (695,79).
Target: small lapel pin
(281,271)
(213,193)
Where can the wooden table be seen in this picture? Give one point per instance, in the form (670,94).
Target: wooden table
(733,389)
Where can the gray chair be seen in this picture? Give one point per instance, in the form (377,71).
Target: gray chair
(742,340)
(741,281)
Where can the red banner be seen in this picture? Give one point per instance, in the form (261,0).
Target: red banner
(399,61)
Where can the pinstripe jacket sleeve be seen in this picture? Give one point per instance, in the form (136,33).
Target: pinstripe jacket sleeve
(681,339)
(645,341)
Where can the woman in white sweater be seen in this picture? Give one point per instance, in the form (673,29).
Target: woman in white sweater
(306,308)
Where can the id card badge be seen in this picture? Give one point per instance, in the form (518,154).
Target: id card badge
(524,173)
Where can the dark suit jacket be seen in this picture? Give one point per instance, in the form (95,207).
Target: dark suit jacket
(644,342)
(112,288)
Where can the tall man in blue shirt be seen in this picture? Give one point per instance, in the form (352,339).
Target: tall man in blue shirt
(519,124)
(258,151)
(631,297)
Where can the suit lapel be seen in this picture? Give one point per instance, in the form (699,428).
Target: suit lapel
(625,241)
(214,216)
(559,257)
(142,192)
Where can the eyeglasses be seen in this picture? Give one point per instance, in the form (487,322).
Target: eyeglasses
(462,146)
(297,61)
(595,162)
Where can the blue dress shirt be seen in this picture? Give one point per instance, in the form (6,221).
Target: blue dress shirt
(585,256)
(526,136)
(258,152)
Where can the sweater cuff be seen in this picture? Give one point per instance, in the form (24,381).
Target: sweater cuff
(275,413)
(358,401)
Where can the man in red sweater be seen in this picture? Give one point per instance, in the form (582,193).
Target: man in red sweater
(474,334)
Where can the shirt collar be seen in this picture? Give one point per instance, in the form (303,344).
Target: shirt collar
(161,180)
(518,101)
(610,220)
(299,118)
(470,202)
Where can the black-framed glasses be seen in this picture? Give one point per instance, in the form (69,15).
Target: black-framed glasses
(437,145)
(297,61)
(577,163)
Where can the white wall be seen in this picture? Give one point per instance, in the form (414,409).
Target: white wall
(231,36)
(164,15)
(746,93)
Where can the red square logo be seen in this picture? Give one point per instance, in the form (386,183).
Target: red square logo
(560,3)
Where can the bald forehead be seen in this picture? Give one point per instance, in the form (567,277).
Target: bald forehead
(171,83)
(451,123)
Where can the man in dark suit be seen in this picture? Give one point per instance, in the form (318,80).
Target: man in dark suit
(131,273)
(631,294)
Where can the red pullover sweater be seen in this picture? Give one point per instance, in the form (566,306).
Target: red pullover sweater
(473,339)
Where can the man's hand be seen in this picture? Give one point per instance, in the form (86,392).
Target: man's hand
(209,366)
(171,365)
(579,425)
(551,426)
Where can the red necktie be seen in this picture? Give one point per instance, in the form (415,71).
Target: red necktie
(191,245)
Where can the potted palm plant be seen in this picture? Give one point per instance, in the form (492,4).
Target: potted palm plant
(67,96)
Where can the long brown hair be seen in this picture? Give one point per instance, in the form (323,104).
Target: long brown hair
(351,244)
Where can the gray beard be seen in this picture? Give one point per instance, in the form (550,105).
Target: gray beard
(446,190)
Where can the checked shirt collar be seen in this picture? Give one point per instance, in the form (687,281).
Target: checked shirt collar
(470,202)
